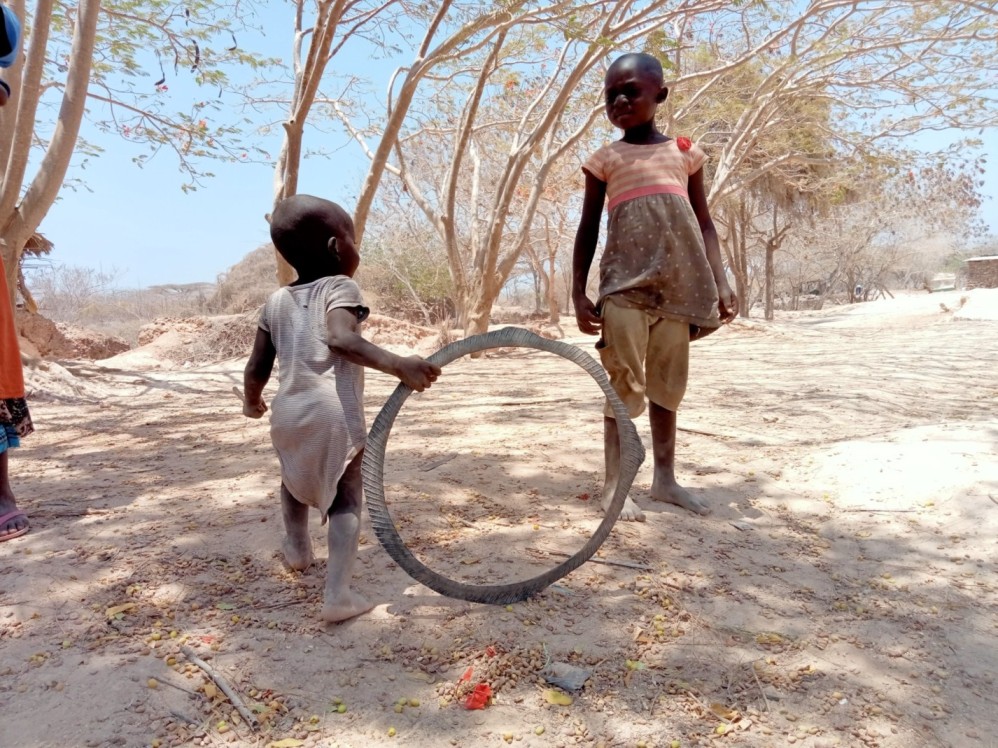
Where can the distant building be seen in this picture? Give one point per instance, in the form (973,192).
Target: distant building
(942,282)
(982,272)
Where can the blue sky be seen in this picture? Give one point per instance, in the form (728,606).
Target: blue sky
(139,223)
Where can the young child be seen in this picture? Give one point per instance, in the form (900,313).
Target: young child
(313,328)
(662,281)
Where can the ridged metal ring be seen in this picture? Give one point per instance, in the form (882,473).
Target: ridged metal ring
(632,454)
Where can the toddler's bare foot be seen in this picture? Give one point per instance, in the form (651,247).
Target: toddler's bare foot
(345,606)
(673,493)
(630,513)
(298,551)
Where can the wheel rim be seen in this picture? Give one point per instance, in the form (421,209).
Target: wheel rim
(632,454)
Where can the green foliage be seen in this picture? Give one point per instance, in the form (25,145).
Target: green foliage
(410,281)
(159,79)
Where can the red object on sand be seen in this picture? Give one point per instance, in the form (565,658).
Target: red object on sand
(479,698)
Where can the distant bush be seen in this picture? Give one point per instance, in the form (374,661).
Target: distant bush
(246,285)
(87,298)
(412,284)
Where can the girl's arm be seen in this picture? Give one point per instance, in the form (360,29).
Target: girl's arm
(257,373)
(727,302)
(586,239)
(344,338)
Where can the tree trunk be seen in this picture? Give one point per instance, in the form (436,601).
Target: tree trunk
(19,223)
(770,280)
(480,297)
(477,317)
(554,314)
(740,269)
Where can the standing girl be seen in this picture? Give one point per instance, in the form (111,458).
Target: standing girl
(662,280)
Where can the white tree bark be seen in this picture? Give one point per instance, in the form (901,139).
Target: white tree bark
(19,220)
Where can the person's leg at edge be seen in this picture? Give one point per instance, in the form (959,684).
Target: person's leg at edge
(297,544)
(663,439)
(611,451)
(8,503)
(339,601)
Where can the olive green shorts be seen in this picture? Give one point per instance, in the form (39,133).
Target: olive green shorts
(644,356)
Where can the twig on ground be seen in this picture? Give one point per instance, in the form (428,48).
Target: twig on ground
(183,717)
(285,604)
(703,433)
(881,511)
(228,690)
(606,561)
(438,463)
(705,707)
(173,685)
(759,684)
(508,403)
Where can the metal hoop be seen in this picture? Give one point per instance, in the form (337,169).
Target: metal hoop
(632,454)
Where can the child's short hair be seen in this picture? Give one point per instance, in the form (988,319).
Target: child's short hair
(645,62)
(302,225)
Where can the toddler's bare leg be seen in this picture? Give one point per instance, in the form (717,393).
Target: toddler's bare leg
(297,545)
(663,441)
(339,601)
(611,450)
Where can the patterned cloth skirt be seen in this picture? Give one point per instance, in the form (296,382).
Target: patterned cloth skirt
(15,422)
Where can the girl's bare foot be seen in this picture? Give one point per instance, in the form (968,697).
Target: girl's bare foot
(673,493)
(345,606)
(630,513)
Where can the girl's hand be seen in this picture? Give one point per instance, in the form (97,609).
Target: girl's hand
(586,316)
(417,373)
(727,304)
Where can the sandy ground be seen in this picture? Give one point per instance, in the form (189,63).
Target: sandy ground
(843,593)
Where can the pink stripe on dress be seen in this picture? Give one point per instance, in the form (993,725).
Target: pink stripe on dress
(652,189)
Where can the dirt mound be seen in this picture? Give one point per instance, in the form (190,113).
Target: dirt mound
(43,338)
(197,341)
(247,284)
(44,335)
(46,381)
(401,337)
(90,344)
(168,342)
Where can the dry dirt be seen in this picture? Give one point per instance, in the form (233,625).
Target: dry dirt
(843,593)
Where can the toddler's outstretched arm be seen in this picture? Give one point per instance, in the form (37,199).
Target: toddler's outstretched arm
(345,339)
(257,373)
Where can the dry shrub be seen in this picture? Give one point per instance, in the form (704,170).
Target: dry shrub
(396,333)
(247,284)
(197,341)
